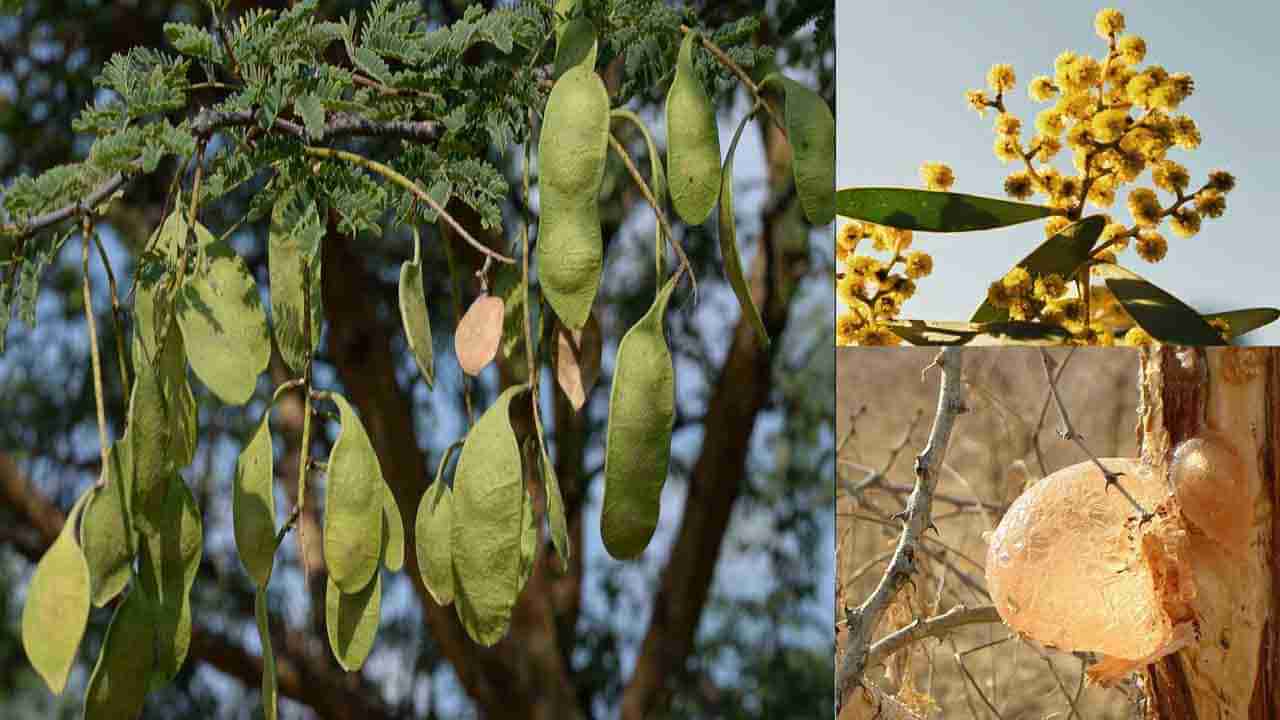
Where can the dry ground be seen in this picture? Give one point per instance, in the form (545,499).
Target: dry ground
(884,405)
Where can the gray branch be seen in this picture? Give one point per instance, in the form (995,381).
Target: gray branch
(918,518)
(936,626)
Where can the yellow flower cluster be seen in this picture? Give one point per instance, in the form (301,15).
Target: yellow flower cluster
(871,291)
(1116,120)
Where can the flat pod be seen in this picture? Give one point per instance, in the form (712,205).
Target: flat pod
(151,440)
(293,261)
(253,505)
(575,45)
(169,561)
(479,333)
(414,315)
(221,317)
(811,130)
(555,511)
(433,539)
(638,441)
(571,160)
(693,141)
(353,505)
(577,360)
(393,542)
(57,606)
(729,243)
(352,621)
(488,499)
(118,684)
(270,685)
(104,535)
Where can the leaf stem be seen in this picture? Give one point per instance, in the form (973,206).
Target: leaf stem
(657,210)
(94,355)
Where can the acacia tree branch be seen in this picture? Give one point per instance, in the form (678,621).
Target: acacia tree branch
(918,519)
(936,626)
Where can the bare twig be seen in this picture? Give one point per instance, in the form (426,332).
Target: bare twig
(956,617)
(917,520)
(657,209)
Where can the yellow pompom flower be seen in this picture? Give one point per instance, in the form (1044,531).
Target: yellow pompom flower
(1049,287)
(1110,125)
(1106,257)
(1019,185)
(1071,310)
(876,336)
(1051,122)
(848,325)
(1170,93)
(866,266)
(918,265)
(886,307)
(1137,337)
(1185,222)
(1083,73)
(937,176)
(1111,232)
(1132,49)
(1017,282)
(1185,133)
(977,100)
(1006,148)
(1008,124)
(1077,106)
(1170,176)
(1042,88)
(1144,206)
(850,233)
(1047,146)
(998,295)
(850,289)
(1055,225)
(1222,181)
(1151,246)
(1001,78)
(1211,203)
(1108,22)
(1139,88)
(1079,138)
(1067,190)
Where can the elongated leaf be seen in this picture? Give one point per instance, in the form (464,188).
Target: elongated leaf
(104,535)
(221,317)
(811,130)
(253,505)
(1061,254)
(693,141)
(393,552)
(169,562)
(312,112)
(920,332)
(555,510)
(353,505)
(433,538)
(118,685)
(729,240)
(270,688)
(488,491)
(414,315)
(1240,322)
(294,264)
(57,606)
(575,45)
(352,621)
(933,211)
(1163,316)
(638,438)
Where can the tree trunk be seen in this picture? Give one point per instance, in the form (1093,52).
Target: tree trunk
(1232,396)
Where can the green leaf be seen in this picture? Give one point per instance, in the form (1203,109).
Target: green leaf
(253,505)
(1240,322)
(370,62)
(693,141)
(528,540)
(488,499)
(729,242)
(393,550)
(920,332)
(352,621)
(933,211)
(555,510)
(222,319)
(1061,254)
(353,505)
(150,438)
(811,130)
(638,437)
(575,45)
(57,607)
(270,688)
(433,536)
(118,685)
(1163,316)
(413,312)
(294,264)
(104,536)
(169,561)
(312,112)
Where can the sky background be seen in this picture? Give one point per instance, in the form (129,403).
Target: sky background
(903,69)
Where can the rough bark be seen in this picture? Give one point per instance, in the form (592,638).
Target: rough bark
(1235,392)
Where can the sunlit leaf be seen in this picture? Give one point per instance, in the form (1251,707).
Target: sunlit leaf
(1061,254)
(1163,316)
(933,211)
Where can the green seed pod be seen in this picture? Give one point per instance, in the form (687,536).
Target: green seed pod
(270,687)
(253,505)
(433,538)
(555,511)
(414,315)
(353,505)
(693,142)
(638,439)
(488,501)
(118,684)
(571,158)
(729,243)
(220,309)
(104,536)
(528,540)
(393,536)
(352,621)
(169,561)
(57,606)
(811,129)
